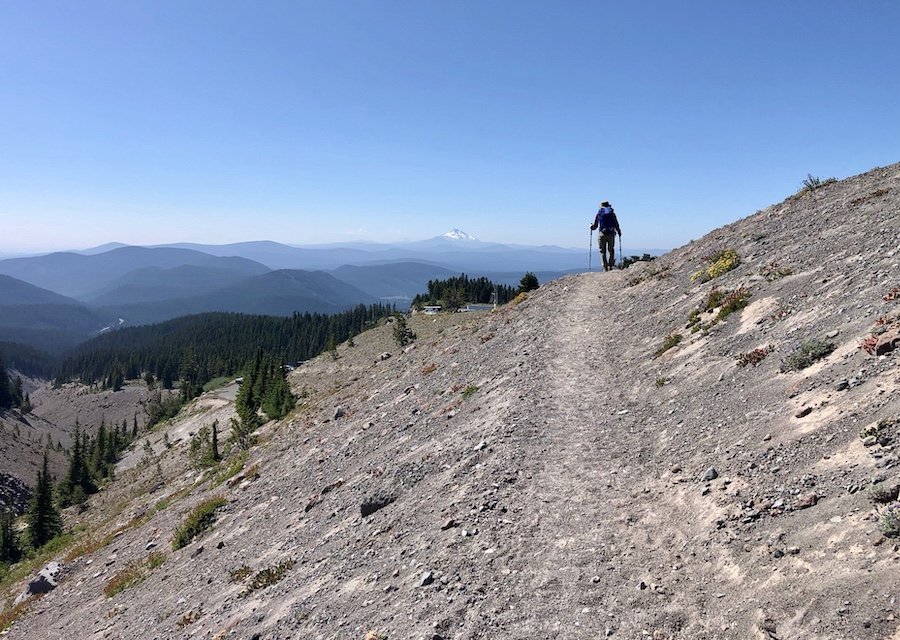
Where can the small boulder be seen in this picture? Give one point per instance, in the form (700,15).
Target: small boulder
(44,582)
(373,503)
(711,474)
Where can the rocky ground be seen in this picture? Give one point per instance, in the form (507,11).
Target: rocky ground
(548,470)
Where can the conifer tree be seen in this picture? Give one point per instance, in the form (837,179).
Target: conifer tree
(6,399)
(44,520)
(10,551)
(77,484)
(214,442)
(279,400)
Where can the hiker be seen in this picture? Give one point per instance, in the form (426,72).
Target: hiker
(608,224)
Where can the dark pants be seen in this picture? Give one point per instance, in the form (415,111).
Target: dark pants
(607,242)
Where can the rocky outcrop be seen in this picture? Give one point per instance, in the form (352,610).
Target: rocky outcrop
(14,494)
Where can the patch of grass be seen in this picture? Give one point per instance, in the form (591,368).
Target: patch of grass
(468,391)
(155,559)
(133,573)
(773,272)
(94,544)
(269,576)
(718,263)
(661,382)
(229,468)
(520,298)
(670,341)
(197,522)
(190,618)
(889,522)
(429,368)
(14,613)
(733,301)
(215,383)
(806,354)
(240,574)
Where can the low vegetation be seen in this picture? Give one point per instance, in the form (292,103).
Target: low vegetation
(889,522)
(133,573)
(753,358)
(811,183)
(727,302)
(718,263)
(268,576)
(630,260)
(469,391)
(670,341)
(773,271)
(199,520)
(806,354)
(883,493)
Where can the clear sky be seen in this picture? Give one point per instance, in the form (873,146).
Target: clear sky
(309,121)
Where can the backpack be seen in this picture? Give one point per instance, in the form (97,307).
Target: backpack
(607,221)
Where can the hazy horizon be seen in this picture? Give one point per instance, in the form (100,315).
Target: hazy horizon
(311,123)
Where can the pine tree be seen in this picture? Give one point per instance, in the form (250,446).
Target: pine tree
(528,282)
(44,520)
(214,442)
(77,484)
(10,551)
(98,451)
(6,398)
(279,400)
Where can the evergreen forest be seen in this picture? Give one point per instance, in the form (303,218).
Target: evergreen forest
(196,349)
(457,291)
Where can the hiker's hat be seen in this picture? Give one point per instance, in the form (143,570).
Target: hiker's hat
(605,203)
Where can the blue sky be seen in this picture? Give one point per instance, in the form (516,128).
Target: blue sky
(309,122)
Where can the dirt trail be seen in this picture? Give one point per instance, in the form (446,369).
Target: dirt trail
(596,555)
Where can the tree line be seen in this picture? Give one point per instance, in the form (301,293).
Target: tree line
(12,396)
(196,349)
(456,291)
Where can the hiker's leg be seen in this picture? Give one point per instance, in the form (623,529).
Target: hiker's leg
(602,240)
(612,250)
(607,252)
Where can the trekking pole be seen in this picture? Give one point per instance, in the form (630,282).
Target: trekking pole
(621,253)
(590,249)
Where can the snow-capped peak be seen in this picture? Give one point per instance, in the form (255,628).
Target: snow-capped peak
(456,234)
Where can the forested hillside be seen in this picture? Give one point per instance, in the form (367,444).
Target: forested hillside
(457,291)
(209,345)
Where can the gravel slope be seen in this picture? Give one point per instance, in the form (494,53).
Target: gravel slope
(539,472)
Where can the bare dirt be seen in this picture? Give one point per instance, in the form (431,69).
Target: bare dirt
(539,472)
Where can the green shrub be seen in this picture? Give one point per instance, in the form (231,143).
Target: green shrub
(269,576)
(889,523)
(733,301)
(773,272)
(198,520)
(133,573)
(403,335)
(811,183)
(670,341)
(881,493)
(229,468)
(468,391)
(806,354)
(717,263)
